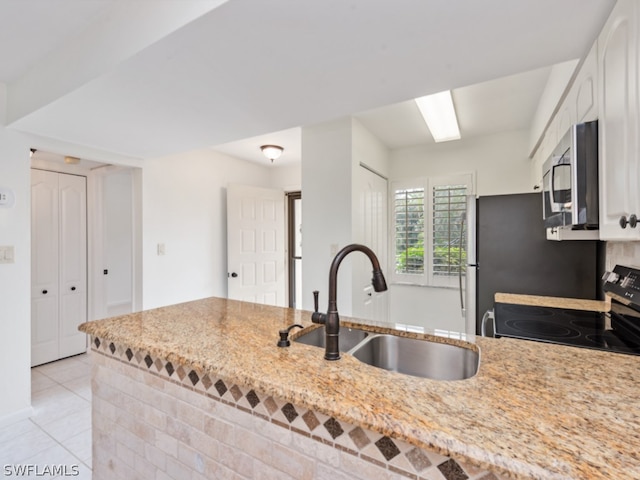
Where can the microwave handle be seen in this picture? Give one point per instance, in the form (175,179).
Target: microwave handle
(552,178)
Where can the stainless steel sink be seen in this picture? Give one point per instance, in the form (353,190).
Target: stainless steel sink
(349,338)
(420,358)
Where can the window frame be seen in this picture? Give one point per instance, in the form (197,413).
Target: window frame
(427,278)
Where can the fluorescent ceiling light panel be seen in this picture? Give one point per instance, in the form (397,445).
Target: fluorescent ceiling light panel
(440,116)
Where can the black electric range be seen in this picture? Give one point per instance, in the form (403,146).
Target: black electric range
(616,331)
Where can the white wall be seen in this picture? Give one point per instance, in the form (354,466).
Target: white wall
(184,207)
(326,209)
(15,288)
(288,177)
(501,166)
(332,153)
(500,162)
(368,149)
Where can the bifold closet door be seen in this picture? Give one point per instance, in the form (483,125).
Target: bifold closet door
(58,265)
(73,263)
(44,266)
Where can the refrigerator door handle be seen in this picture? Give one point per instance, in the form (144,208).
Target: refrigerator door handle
(463,217)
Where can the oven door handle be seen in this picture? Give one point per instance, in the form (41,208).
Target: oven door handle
(483,324)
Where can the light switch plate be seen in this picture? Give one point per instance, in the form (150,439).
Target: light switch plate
(7,254)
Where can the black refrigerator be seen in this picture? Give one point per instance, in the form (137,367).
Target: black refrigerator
(513,254)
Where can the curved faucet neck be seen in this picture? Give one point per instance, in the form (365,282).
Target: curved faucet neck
(331,319)
(333,271)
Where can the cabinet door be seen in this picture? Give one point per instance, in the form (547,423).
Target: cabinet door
(73,263)
(618,50)
(44,267)
(586,93)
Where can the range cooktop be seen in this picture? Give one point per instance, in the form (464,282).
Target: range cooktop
(579,328)
(616,331)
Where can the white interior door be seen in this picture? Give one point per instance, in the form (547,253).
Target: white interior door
(73,263)
(372,232)
(44,266)
(256,245)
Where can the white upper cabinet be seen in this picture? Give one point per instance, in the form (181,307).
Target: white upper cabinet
(584,94)
(618,60)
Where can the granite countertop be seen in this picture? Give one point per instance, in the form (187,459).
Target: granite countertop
(534,410)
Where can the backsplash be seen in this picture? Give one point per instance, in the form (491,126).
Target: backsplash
(623,253)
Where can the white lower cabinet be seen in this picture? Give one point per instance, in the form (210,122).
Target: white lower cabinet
(618,60)
(58,265)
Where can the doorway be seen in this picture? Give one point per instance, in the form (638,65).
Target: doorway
(115,241)
(110,222)
(294,250)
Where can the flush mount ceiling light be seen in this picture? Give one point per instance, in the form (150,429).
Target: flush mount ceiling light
(440,115)
(71,160)
(272,152)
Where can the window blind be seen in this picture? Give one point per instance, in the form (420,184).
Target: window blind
(449,243)
(409,230)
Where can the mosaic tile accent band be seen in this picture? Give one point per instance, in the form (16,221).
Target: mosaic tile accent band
(391,454)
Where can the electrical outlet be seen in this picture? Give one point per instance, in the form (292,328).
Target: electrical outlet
(7,198)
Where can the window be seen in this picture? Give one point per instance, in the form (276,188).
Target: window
(429,236)
(449,242)
(409,230)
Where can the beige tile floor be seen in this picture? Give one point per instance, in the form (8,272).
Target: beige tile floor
(59,432)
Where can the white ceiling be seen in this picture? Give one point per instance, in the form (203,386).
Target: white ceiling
(504,104)
(145,79)
(500,105)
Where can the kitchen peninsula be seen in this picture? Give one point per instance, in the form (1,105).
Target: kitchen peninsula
(199,389)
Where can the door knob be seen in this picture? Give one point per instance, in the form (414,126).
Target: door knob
(234,275)
(73,289)
(44,292)
(623,221)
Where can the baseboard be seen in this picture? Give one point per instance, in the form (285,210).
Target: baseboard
(16,416)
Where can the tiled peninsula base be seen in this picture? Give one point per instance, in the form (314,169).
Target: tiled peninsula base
(155,420)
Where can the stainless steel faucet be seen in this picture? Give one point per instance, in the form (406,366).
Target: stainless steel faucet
(331,319)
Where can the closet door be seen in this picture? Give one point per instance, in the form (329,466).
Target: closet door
(72,263)
(44,266)
(58,265)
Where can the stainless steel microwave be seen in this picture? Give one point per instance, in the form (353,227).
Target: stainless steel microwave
(570,180)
